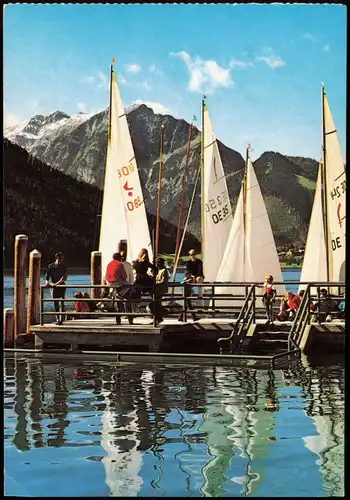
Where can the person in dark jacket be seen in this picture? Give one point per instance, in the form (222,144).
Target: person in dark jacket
(194,268)
(57,273)
(161,288)
(143,279)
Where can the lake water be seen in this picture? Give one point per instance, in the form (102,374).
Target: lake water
(75,427)
(98,428)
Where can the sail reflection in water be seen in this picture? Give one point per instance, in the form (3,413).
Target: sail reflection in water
(125,429)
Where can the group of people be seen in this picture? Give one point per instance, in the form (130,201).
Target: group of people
(127,282)
(290,303)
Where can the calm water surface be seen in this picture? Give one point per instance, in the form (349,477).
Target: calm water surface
(102,428)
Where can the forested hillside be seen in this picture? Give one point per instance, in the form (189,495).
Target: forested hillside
(56,211)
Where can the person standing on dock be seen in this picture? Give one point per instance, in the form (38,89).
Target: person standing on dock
(116,276)
(269,295)
(143,267)
(194,268)
(57,273)
(130,278)
(162,280)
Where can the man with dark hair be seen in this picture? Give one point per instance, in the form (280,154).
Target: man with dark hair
(194,268)
(57,273)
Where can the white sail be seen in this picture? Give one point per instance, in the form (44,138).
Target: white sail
(315,259)
(333,205)
(261,253)
(232,264)
(121,467)
(217,213)
(250,235)
(336,198)
(123,211)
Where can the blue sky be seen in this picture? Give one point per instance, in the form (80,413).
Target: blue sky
(261,66)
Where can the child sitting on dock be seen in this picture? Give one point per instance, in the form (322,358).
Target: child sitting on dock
(80,306)
(327,307)
(289,306)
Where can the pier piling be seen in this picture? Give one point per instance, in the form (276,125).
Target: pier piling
(21,244)
(95,273)
(33,289)
(9,338)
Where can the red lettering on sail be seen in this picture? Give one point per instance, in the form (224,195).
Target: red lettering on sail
(128,189)
(338,214)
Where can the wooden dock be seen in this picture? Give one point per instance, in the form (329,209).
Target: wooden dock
(175,336)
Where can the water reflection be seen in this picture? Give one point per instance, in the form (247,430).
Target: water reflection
(176,430)
(324,393)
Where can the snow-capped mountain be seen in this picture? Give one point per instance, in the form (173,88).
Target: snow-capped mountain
(77,146)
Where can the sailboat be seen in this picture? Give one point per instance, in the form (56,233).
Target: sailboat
(216,213)
(250,251)
(123,209)
(324,258)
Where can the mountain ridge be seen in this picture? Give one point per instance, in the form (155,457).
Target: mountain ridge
(77,147)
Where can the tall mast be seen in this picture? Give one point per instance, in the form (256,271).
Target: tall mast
(184,185)
(109,132)
(202,189)
(159,189)
(324,182)
(110,101)
(244,182)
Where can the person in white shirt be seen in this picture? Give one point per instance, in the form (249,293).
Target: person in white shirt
(130,276)
(128,269)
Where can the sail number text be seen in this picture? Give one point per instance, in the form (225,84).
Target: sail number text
(132,204)
(338,190)
(124,171)
(336,243)
(215,203)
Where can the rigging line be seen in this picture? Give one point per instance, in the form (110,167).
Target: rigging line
(339,176)
(159,189)
(208,145)
(184,184)
(177,257)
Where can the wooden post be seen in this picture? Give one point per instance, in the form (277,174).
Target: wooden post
(20,284)
(33,289)
(95,273)
(9,339)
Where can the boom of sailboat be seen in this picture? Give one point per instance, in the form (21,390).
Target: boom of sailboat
(234,248)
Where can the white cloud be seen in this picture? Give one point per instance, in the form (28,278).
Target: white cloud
(205,75)
(10,119)
(156,106)
(145,85)
(33,103)
(133,68)
(308,36)
(82,107)
(316,42)
(88,79)
(235,63)
(122,80)
(271,59)
(154,70)
(103,80)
